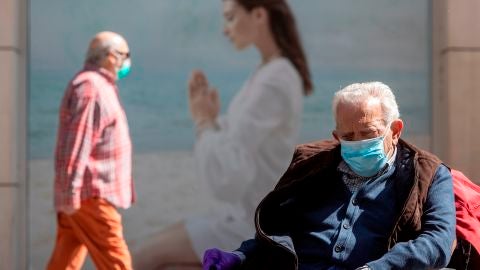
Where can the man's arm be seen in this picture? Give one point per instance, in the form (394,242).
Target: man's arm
(247,249)
(433,247)
(78,134)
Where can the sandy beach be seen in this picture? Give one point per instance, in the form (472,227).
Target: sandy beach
(166,187)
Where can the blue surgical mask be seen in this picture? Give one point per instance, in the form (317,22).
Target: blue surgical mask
(123,71)
(366,157)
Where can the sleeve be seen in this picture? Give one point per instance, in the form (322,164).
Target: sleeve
(247,249)
(226,156)
(78,134)
(433,247)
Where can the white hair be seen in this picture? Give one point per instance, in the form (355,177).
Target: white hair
(361,92)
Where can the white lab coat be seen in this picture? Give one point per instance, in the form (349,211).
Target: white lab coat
(242,160)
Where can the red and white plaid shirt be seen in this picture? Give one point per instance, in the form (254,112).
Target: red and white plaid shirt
(93,156)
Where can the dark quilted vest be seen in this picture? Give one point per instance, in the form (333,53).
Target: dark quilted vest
(319,160)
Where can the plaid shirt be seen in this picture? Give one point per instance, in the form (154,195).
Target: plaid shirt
(93,156)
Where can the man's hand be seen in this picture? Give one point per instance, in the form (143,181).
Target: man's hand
(215,259)
(68,210)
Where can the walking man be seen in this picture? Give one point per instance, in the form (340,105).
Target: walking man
(93,160)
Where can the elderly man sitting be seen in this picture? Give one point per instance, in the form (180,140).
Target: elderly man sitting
(366,200)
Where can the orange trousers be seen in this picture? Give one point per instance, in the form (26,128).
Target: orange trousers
(95,228)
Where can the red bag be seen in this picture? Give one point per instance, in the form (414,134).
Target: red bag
(467,204)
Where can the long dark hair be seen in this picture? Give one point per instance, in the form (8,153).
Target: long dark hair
(284,30)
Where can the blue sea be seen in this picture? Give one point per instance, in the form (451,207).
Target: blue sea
(345,41)
(157,111)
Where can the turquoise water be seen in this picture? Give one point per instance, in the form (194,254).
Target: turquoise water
(157,111)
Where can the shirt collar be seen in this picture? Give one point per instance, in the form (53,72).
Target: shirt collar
(103,71)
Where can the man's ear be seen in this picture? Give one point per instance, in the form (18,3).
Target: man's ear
(396,127)
(109,60)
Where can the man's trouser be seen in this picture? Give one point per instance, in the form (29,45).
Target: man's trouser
(95,228)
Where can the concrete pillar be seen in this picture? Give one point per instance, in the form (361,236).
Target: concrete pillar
(456,84)
(13,126)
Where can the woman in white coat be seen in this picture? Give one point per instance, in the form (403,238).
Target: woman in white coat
(242,154)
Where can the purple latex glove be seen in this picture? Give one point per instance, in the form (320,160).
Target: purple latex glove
(215,259)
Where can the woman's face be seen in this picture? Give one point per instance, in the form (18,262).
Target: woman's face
(239,24)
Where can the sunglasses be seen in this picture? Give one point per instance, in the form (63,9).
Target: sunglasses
(125,55)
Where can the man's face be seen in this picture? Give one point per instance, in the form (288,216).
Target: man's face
(120,53)
(356,122)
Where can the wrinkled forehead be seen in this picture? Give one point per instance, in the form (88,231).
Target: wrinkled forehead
(359,113)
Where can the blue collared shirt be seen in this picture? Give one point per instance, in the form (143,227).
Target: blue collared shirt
(351,230)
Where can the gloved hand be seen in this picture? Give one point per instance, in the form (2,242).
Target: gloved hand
(215,259)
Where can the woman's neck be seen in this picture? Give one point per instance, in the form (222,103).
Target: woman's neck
(268,48)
